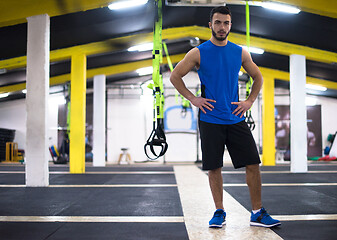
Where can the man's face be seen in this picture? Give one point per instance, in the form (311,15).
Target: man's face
(221,26)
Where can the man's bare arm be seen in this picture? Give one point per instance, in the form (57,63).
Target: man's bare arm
(191,60)
(254,72)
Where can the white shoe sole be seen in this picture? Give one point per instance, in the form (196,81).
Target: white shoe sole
(264,225)
(217,226)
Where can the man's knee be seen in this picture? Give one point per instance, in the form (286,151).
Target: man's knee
(253,167)
(214,171)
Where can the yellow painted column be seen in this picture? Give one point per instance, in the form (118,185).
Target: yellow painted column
(268,122)
(77,113)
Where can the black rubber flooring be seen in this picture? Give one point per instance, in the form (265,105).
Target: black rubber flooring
(91,231)
(67,179)
(304,230)
(154,201)
(294,200)
(91,201)
(65,168)
(311,167)
(284,178)
(291,200)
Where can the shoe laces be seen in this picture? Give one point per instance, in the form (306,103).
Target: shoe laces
(218,213)
(264,213)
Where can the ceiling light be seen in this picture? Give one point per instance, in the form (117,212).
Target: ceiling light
(281,7)
(195,42)
(126,4)
(144,71)
(3,95)
(254,50)
(310,101)
(316,87)
(56,100)
(141,47)
(198,3)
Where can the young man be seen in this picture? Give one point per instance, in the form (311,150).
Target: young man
(221,120)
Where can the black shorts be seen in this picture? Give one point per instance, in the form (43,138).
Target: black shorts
(238,140)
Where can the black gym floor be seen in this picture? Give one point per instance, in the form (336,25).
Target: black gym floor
(145,191)
(295,199)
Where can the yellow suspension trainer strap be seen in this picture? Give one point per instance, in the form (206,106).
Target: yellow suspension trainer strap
(248,115)
(157,137)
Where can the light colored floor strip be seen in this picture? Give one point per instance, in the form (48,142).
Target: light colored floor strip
(163,172)
(169,185)
(198,208)
(273,172)
(91,219)
(310,217)
(101,185)
(118,185)
(281,184)
(107,172)
(330,163)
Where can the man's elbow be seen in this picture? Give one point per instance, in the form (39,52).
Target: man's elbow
(258,78)
(173,77)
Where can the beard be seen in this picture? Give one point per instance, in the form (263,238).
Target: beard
(219,38)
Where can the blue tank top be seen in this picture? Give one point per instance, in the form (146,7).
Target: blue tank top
(219,76)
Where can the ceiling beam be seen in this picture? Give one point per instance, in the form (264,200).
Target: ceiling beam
(203,33)
(95,48)
(129,67)
(14,12)
(285,76)
(325,8)
(273,46)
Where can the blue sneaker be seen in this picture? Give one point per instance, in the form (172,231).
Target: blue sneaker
(218,220)
(262,219)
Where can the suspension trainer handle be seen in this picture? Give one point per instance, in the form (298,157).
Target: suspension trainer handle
(249,120)
(157,137)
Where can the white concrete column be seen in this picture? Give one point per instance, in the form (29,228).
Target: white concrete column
(298,115)
(99,121)
(36,151)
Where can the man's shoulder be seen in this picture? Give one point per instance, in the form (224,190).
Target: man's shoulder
(204,45)
(194,51)
(193,55)
(234,45)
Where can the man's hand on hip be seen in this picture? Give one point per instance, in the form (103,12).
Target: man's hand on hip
(202,103)
(242,107)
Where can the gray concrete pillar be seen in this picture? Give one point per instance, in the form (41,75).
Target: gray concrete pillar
(298,115)
(99,121)
(36,150)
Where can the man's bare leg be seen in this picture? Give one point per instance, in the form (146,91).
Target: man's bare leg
(216,184)
(253,179)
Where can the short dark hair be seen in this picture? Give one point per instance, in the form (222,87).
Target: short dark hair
(222,9)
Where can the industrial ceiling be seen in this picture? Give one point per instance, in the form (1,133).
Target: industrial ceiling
(105,36)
